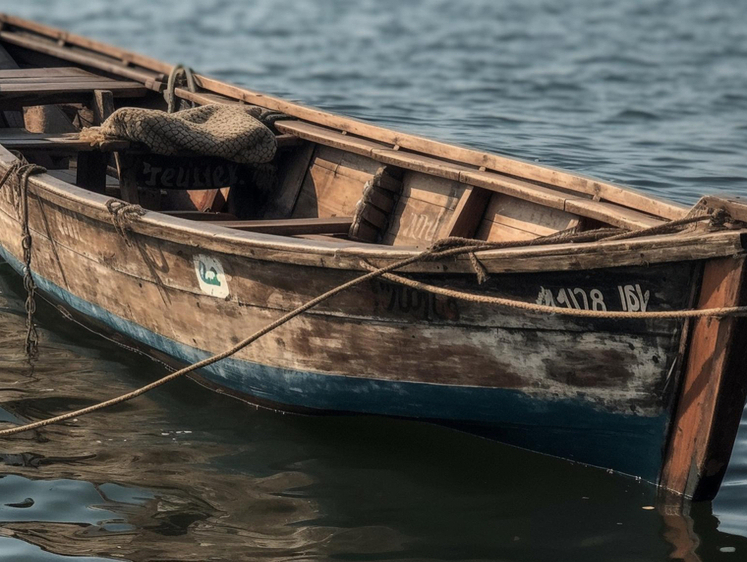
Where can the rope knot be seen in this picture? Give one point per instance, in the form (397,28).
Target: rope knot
(719,218)
(478,268)
(123,215)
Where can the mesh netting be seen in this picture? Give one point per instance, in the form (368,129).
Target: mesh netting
(233,132)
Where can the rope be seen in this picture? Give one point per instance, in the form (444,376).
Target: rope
(218,357)
(440,250)
(22,171)
(169,94)
(578,313)
(123,215)
(716,219)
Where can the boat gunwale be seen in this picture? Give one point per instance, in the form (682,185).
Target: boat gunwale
(352,255)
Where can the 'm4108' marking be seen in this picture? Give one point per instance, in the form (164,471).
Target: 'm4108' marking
(632,298)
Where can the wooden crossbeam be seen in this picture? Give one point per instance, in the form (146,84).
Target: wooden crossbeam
(291,227)
(21,139)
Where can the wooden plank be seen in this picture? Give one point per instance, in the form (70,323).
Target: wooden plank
(735,206)
(128,169)
(70,38)
(439,192)
(46,94)
(21,139)
(291,227)
(48,119)
(420,163)
(202,215)
(712,390)
(290,182)
(469,212)
(313,133)
(286,142)
(497,232)
(525,216)
(516,188)
(606,212)
(417,223)
(119,88)
(56,72)
(151,80)
(31,82)
(10,118)
(92,165)
(102,105)
(424,211)
(611,214)
(333,184)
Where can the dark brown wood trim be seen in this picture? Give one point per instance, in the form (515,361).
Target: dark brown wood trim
(712,391)
(469,212)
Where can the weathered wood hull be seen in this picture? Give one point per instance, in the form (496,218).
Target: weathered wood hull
(656,398)
(599,392)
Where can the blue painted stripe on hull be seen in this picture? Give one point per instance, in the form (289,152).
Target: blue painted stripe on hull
(568,428)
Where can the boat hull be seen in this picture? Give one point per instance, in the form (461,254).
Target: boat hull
(568,428)
(598,392)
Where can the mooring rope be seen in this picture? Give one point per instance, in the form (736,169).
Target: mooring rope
(575,312)
(170,92)
(441,249)
(123,215)
(22,170)
(214,358)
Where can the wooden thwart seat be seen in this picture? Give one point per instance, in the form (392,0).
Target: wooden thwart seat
(21,139)
(39,86)
(290,227)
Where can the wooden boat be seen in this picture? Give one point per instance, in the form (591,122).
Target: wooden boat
(212,261)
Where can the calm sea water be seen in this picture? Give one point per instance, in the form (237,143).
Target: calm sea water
(653,94)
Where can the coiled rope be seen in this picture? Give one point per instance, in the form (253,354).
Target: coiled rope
(440,250)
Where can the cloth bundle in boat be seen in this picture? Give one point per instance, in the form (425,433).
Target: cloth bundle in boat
(233,132)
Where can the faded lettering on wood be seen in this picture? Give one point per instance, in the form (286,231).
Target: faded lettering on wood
(424,211)
(187,173)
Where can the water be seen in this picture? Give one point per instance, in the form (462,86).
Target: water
(652,94)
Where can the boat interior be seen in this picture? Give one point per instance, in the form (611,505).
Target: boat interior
(332,178)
